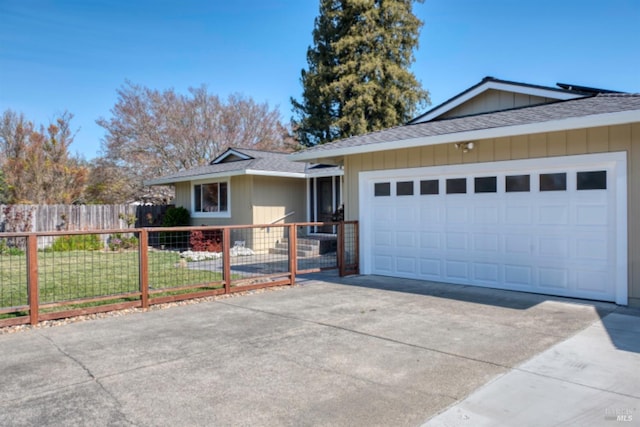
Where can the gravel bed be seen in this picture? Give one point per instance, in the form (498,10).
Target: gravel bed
(117,313)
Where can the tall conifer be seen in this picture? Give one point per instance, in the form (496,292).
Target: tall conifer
(358,78)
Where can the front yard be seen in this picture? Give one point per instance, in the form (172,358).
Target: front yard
(64,276)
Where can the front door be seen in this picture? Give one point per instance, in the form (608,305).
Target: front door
(325,200)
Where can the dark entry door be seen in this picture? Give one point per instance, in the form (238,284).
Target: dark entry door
(324,203)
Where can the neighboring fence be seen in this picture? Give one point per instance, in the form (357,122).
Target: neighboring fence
(84,217)
(81,274)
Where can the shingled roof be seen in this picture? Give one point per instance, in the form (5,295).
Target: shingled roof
(600,110)
(241,161)
(562,91)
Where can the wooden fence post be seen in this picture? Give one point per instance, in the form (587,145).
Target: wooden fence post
(32,277)
(340,250)
(143,254)
(356,246)
(293,253)
(226,259)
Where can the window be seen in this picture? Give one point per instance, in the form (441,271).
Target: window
(381,189)
(486,184)
(517,183)
(211,198)
(553,181)
(456,185)
(429,186)
(404,188)
(596,180)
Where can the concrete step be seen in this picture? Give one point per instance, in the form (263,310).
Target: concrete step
(301,254)
(306,248)
(305,242)
(322,244)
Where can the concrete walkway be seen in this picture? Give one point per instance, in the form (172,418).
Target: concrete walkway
(356,351)
(591,379)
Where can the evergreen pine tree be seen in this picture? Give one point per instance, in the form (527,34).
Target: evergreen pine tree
(358,77)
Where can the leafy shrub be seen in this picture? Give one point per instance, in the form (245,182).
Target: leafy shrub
(176,217)
(129,219)
(6,249)
(77,242)
(118,242)
(207,241)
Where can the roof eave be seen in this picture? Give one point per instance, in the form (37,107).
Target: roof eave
(170,180)
(595,120)
(218,175)
(276,173)
(325,174)
(485,85)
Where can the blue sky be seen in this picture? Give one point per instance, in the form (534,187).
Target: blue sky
(58,55)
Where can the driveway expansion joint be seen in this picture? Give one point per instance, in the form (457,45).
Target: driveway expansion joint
(366,334)
(566,381)
(96,380)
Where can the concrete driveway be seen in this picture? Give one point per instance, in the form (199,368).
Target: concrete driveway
(354,351)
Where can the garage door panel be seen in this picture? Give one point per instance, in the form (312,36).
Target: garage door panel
(430,240)
(457,270)
(591,215)
(382,214)
(553,278)
(486,215)
(457,241)
(430,213)
(487,273)
(509,236)
(592,281)
(517,275)
(519,244)
(457,214)
(519,215)
(592,249)
(406,214)
(486,242)
(383,264)
(406,239)
(431,268)
(383,238)
(554,246)
(553,215)
(406,265)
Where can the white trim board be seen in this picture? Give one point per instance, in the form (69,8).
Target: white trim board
(584,122)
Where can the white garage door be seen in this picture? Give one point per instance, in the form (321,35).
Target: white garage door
(553,226)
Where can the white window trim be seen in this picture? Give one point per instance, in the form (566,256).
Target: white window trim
(226,214)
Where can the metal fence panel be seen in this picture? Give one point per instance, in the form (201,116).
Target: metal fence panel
(13,277)
(87,266)
(49,275)
(175,266)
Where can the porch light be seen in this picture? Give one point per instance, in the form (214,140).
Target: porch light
(464,146)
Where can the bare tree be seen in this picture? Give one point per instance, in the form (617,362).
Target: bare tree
(36,163)
(108,184)
(153,133)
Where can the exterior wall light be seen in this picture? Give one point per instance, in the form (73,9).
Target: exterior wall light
(465,146)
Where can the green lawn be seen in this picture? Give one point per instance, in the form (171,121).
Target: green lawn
(64,276)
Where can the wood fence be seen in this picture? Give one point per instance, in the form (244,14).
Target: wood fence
(46,218)
(45,285)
